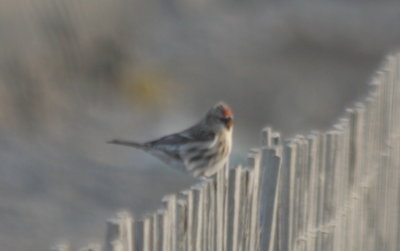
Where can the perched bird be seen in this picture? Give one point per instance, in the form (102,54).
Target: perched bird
(200,150)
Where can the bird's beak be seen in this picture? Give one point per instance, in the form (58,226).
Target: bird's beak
(229,122)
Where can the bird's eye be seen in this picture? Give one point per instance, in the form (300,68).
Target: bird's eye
(225,120)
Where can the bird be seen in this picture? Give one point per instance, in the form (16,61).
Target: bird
(200,150)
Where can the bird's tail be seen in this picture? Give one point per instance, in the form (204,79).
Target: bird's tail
(128,143)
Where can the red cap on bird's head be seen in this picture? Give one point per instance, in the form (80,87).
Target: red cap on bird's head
(224,114)
(220,113)
(227,111)
(224,109)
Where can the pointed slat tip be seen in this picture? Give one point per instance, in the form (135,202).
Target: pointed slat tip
(120,216)
(276,139)
(266,136)
(168,197)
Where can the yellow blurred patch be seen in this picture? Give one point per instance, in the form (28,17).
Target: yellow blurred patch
(146,87)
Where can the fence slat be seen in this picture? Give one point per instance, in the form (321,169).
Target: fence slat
(235,197)
(119,235)
(269,199)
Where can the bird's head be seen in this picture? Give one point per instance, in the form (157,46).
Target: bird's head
(220,117)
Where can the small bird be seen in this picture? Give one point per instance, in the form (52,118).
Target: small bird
(200,150)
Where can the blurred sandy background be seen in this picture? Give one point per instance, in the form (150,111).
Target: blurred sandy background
(74,74)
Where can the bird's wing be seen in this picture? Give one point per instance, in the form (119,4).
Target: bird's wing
(171,144)
(171,140)
(188,136)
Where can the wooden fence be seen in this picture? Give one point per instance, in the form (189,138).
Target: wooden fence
(336,190)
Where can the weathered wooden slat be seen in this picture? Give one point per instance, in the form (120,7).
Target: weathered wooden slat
(206,221)
(188,224)
(222,183)
(146,228)
(170,227)
(320,189)
(119,235)
(182,220)
(254,159)
(157,238)
(140,240)
(235,202)
(310,186)
(284,200)
(212,227)
(198,206)
(270,164)
(290,156)
(245,218)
